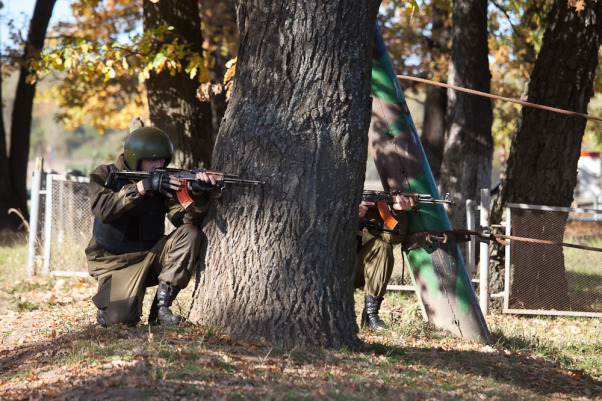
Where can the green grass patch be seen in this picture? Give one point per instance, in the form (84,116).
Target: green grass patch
(13,262)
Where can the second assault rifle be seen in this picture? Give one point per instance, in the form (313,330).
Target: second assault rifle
(389,196)
(381,198)
(183,175)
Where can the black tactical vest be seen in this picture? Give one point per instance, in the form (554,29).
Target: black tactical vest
(138,230)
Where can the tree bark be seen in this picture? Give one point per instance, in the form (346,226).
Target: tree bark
(435,104)
(13,183)
(468,148)
(281,256)
(172,99)
(542,164)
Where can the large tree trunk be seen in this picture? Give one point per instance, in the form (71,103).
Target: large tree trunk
(13,183)
(435,104)
(281,256)
(172,99)
(542,164)
(468,149)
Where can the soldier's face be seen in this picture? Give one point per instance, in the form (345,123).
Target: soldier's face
(151,165)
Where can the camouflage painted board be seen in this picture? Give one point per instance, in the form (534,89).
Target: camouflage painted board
(438,271)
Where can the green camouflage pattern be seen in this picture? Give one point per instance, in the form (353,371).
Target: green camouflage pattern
(438,270)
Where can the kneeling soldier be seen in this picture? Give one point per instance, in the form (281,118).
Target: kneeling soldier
(129,250)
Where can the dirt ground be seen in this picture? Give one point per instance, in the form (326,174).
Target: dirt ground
(32,340)
(52,349)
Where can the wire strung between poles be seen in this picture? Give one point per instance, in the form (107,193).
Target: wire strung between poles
(421,238)
(489,95)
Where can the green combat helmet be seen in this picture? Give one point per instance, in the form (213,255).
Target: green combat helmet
(147,143)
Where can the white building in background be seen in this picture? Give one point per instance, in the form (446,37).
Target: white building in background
(589,171)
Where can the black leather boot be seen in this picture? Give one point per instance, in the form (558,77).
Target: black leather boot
(370,313)
(159,312)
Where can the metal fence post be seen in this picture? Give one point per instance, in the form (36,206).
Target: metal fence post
(48,224)
(507,259)
(470,225)
(484,254)
(34,214)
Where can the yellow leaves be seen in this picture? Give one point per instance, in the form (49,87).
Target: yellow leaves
(229,76)
(411,7)
(207,89)
(197,66)
(579,5)
(144,74)
(203,73)
(501,55)
(158,62)
(92,61)
(103,105)
(109,73)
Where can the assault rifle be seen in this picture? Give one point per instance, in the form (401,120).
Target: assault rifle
(389,196)
(381,198)
(221,177)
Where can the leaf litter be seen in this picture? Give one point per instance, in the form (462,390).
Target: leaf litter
(51,348)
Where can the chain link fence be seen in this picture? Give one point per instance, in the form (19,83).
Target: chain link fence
(64,225)
(70,224)
(539,278)
(554,279)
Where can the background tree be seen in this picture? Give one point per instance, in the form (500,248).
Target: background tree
(466,166)
(515,33)
(102,75)
(542,164)
(109,70)
(418,36)
(13,163)
(281,257)
(98,61)
(435,103)
(172,95)
(220,35)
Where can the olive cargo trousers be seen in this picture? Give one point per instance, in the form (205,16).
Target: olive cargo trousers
(375,262)
(123,279)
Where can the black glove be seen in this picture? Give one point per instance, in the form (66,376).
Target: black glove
(202,186)
(157,182)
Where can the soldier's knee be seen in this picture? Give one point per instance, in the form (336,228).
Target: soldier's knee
(188,233)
